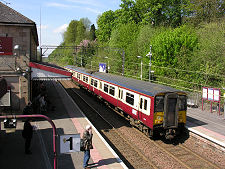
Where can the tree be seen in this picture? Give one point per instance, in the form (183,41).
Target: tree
(92,33)
(70,35)
(81,30)
(105,25)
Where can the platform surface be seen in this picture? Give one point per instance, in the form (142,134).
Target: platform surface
(206,124)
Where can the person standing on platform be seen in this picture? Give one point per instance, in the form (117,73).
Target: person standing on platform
(87,137)
(27,134)
(28,109)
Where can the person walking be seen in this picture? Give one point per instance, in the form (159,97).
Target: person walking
(87,138)
(27,134)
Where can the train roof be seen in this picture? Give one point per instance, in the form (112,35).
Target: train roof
(144,87)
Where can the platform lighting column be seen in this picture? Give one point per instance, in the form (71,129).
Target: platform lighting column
(107,63)
(150,62)
(141,65)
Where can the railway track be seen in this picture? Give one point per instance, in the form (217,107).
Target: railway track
(130,154)
(184,156)
(135,157)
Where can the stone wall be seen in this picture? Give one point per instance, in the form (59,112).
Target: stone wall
(9,65)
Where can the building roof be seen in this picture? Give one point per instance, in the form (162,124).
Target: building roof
(144,87)
(9,15)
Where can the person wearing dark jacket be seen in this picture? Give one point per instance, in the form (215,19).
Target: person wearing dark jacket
(87,137)
(27,134)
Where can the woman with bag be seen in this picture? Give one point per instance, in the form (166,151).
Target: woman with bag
(87,139)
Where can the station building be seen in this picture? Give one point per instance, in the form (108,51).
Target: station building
(18,47)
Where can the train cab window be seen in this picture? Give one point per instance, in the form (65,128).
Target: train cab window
(182,103)
(159,103)
(106,88)
(95,83)
(141,103)
(145,104)
(79,76)
(130,98)
(92,82)
(112,90)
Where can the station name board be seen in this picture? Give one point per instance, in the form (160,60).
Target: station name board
(6,44)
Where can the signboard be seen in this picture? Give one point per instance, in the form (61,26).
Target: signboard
(102,67)
(5,100)
(211,94)
(205,93)
(6,46)
(69,143)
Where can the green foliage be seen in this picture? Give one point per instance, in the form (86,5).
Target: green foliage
(92,33)
(105,25)
(168,45)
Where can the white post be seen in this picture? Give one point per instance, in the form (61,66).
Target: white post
(141,68)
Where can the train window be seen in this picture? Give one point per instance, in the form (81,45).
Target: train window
(182,103)
(86,79)
(106,88)
(112,90)
(145,104)
(92,82)
(130,98)
(79,76)
(141,102)
(100,85)
(121,94)
(95,83)
(159,103)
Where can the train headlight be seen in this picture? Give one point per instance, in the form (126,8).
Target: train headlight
(159,118)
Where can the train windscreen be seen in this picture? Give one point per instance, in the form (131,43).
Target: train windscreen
(159,103)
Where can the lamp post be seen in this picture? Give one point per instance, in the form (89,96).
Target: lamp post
(150,62)
(141,65)
(108,63)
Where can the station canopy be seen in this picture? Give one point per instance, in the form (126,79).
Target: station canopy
(46,71)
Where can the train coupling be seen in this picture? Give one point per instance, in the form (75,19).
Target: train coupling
(170,134)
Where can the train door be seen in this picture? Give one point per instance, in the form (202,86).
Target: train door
(171,110)
(120,98)
(144,109)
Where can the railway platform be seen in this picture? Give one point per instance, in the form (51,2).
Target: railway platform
(68,119)
(206,124)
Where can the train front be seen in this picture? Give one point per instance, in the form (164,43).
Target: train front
(170,114)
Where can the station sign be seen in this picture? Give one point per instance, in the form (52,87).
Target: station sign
(5,100)
(69,143)
(211,94)
(102,67)
(6,46)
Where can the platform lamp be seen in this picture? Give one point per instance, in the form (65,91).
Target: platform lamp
(106,57)
(224,103)
(141,65)
(150,62)
(16,48)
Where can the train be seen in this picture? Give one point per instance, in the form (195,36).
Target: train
(153,108)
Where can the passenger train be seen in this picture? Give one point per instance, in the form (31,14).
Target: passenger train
(152,108)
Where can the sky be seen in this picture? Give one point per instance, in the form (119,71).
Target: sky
(56,14)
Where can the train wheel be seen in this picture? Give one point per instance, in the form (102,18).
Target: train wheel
(146,132)
(132,121)
(140,127)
